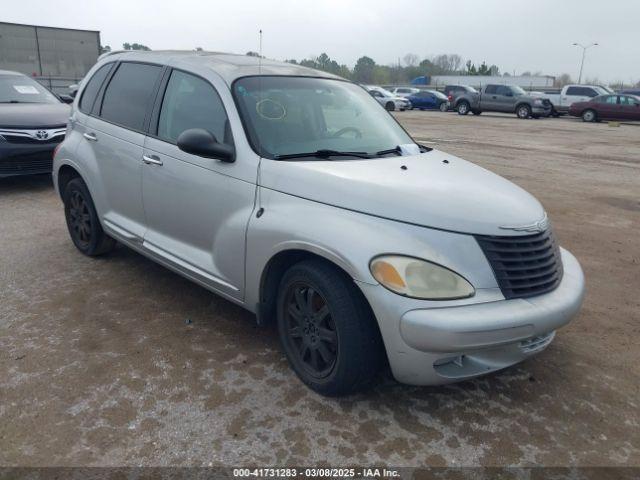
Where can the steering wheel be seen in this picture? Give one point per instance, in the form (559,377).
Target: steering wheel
(344,130)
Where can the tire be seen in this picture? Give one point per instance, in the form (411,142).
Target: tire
(476,112)
(347,332)
(443,107)
(463,108)
(390,106)
(523,111)
(82,220)
(589,116)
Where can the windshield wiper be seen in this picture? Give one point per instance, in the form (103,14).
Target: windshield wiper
(324,154)
(390,151)
(396,150)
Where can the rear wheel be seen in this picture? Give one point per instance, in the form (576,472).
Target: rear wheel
(327,330)
(463,108)
(390,106)
(523,111)
(589,116)
(82,220)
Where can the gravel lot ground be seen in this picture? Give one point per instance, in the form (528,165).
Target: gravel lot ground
(99,365)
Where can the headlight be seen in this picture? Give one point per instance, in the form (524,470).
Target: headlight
(417,278)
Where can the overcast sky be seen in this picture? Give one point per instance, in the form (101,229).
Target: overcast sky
(513,34)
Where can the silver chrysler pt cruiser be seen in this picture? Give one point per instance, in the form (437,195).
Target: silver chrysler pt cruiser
(294,194)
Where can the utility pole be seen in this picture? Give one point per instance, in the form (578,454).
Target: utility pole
(584,53)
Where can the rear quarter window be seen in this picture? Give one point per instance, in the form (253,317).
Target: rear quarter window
(93,87)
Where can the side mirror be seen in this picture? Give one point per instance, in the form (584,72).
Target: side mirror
(66,98)
(198,141)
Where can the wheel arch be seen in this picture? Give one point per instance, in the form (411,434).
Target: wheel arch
(276,267)
(65,174)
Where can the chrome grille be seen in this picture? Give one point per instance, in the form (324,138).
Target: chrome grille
(525,265)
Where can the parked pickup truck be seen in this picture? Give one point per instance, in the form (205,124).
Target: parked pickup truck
(503,98)
(562,99)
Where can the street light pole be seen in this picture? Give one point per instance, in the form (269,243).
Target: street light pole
(584,53)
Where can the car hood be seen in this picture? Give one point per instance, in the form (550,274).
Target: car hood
(433,189)
(33,115)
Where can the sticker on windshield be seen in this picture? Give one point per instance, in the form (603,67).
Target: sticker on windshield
(26,89)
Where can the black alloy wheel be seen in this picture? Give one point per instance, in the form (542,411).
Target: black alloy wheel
(311,332)
(82,220)
(79,219)
(327,329)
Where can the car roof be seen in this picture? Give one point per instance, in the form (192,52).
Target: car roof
(228,65)
(12,73)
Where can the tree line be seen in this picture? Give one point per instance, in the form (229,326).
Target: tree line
(366,70)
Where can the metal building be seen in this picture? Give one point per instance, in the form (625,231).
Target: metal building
(526,82)
(56,57)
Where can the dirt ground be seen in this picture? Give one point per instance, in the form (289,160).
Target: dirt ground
(117,361)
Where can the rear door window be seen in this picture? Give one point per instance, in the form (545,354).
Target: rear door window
(93,87)
(129,94)
(491,89)
(624,100)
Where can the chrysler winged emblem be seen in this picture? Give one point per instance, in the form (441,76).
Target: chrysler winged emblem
(539,226)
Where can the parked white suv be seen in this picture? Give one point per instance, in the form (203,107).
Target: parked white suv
(290,192)
(387,99)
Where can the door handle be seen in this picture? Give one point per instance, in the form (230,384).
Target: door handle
(151,160)
(90,136)
(494,97)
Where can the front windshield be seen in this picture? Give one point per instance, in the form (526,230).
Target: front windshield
(22,89)
(517,91)
(289,115)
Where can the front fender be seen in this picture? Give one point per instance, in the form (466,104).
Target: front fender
(350,240)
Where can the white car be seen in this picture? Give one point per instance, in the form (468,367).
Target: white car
(404,91)
(387,99)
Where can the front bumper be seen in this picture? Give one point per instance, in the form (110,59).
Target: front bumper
(26,159)
(441,345)
(541,111)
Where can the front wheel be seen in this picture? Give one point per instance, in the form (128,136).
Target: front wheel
(463,108)
(589,116)
(523,111)
(444,107)
(327,330)
(82,220)
(390,106)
